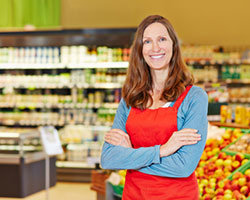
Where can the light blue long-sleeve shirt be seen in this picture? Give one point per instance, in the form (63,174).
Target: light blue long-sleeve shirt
(192,113)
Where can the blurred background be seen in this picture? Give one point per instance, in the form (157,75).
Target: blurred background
(63,64)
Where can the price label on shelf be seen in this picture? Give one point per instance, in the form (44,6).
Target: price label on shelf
(50,139)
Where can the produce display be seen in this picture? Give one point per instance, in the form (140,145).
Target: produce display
(242,145)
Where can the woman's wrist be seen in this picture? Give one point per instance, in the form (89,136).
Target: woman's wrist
(163,152)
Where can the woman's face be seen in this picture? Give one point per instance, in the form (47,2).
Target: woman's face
(157,46)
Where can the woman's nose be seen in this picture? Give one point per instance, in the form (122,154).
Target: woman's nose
(155,47)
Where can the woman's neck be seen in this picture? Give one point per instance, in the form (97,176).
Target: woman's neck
(159,77)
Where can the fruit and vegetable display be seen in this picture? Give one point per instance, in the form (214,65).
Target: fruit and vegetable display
(216,167)
(242,145)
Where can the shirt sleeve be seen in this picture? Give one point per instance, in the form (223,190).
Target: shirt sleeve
(118,157)
(191,114)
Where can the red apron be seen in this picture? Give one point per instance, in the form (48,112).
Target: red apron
(148,128)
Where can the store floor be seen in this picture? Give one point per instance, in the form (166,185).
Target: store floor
(63,190)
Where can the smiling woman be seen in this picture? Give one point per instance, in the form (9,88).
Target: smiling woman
(157,47)
(155,134)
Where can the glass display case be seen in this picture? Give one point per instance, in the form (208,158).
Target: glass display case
(22,163)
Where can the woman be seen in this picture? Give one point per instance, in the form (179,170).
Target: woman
(160,127)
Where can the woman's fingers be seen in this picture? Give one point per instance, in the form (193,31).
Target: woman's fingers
(118,137)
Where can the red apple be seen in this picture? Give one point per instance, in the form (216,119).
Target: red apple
(236,164)
(219,191)
(222,155)
(237,175)
(235,185)
(228,168)
(207,197)
(236,193)
(244,190)
(227,186)
(239,157)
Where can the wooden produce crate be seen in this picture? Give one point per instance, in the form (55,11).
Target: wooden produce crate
(98,178)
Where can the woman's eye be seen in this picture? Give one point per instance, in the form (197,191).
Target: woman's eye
(146,42)
(163,39)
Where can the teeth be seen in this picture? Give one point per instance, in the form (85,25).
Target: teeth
(156,57)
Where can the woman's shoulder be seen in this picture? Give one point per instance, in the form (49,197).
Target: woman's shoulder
(196,95)
(123,106)
(197,91)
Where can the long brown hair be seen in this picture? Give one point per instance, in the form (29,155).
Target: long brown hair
(138,84)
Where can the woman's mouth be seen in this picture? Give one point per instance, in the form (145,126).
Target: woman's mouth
(157,56)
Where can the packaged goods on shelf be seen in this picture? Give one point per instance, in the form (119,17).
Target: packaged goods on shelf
(84,54)
(240,114)
(217,93)
(83,143)
(239,94)
(34,55)
(209,53)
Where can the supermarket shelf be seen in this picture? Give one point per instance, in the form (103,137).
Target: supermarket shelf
(29,123)
(224,82)
(31,66)
(39,85)
(96,65)
(231,125)
(93,65)
(214,62)
(235,81)
(64,85)
(32,105)
(74,164)
(10,123)
(239,101)
(100,85)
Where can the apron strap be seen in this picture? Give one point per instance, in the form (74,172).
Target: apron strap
(181,97)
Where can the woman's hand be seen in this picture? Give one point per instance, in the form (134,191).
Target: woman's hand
(118,137)
(180,138)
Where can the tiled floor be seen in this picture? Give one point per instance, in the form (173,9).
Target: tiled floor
(63,191)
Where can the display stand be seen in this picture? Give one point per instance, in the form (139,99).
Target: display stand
(52,147)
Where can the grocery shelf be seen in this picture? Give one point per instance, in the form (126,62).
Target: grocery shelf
(31,66)
(99,85)
(214,62)
(231,125)
(92,65)
(96,65)
(74,164)
(39,85)
(64,85)
(33,105)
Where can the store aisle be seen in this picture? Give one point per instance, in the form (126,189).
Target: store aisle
(65,191)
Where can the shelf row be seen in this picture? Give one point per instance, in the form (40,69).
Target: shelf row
(94,65)
(40,85)
(61,85)
(100,65)
(32,105)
